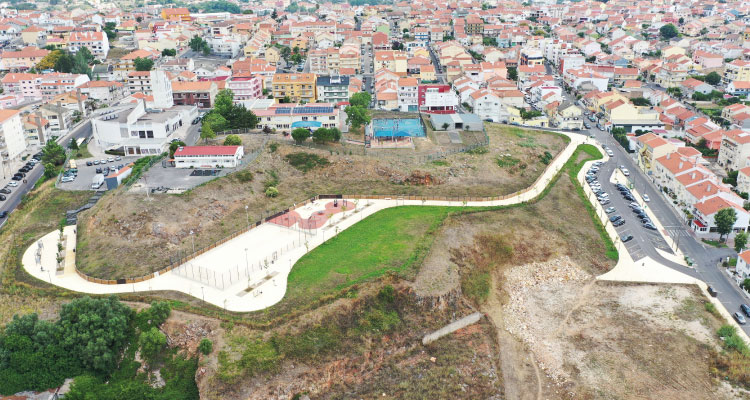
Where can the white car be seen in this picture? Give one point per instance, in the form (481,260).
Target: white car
(645,198)
(13,183)
(67,179)
(625,172)
(610,153)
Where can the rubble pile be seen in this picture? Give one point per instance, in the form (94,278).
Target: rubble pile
(540,294)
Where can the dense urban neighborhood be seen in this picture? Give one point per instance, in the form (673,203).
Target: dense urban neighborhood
(244,199)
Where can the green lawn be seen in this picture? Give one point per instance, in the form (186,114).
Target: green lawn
(395,239)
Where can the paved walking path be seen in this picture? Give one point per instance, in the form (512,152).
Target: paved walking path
(249,272)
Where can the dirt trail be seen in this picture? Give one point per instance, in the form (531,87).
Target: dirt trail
(519,369)
(583,299)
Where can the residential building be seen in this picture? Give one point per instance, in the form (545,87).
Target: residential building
(36,130)
(568,116)
(21,60)
(152,83)
(487,106)
(126,64)
(692,85)
(735,149)
(407,94)
(332,89)
(177,14)
(245,86)
(12,139)
(96,42)
(737,70)
(296,87)
(200,94)
(57,83)
(739,88)
(104,91)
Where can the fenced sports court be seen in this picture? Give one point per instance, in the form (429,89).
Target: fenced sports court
(396,128)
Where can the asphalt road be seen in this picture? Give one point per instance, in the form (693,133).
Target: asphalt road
(706,258)
(17,193)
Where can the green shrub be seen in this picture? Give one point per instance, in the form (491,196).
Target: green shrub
(546,158)
(205,346)
(151,342)
(273,147)
(272,192)
(478,151)
(244,176)
(507,161)
(306,161)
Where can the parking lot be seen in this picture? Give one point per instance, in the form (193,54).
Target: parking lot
(181,179)
(86,173)
(630,224)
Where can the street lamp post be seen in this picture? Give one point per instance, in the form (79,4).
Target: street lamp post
(247,264)
(192,239)
(204,295)
(247,217)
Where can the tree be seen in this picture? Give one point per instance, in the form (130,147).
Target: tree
(725,219)
(357,116)
(53,153)
(641,101)
(223,102)
(232,140)
(668,31)
(526,115)
(581,34)
(205,346)
(64,63)
(713,78)
(207,133)
(169,52)
(174,146)
(681,21)
(216,121)
(143,64)
(151,341)
(296,58)
(196,43)
(49,61)
(95,330)
(300,135)
(73,144)
(324,135)
(361,99)
(740,240)
(274,15)
(512,73)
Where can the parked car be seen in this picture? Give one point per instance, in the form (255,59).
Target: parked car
(16,178)
(740,319)
(745,309)
(610,210)
(712,291)
(615,218)
(98,170)
(66,179)
(13,183)
(626,238)
(102,161)
(619,222)
(118,158)
(649,226)
(610,153)
(5,191)
(196,120)
(646,198)
(89,163)
(96,162)
(2,197)
(3,214)
(625,171)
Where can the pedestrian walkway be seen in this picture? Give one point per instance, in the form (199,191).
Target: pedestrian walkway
(249,272)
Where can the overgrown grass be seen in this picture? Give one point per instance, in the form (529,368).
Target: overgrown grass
(371,318)
(478,151)
(140,166)
(306,161)
(82,152)
(573,168)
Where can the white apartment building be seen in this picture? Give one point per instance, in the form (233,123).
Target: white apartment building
(12,140)
(96,42)
(152,83)
(487,106)
(408,90)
